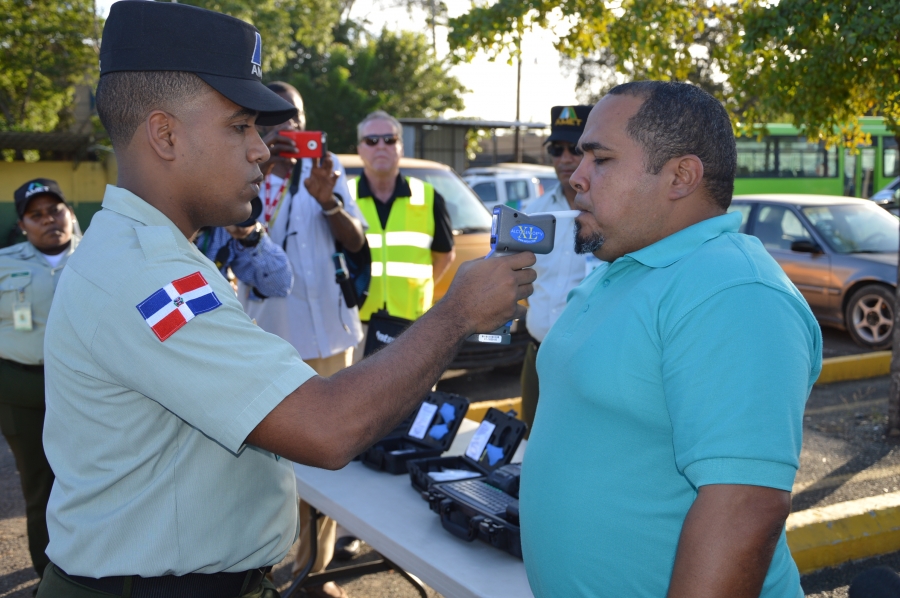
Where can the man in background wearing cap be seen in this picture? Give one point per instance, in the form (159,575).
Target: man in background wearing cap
(171,418)
(562,269)
(29,272)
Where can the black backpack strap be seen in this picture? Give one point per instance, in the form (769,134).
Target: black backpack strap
(292,191)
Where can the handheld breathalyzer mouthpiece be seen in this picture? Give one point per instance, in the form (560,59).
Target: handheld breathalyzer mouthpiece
(512,232)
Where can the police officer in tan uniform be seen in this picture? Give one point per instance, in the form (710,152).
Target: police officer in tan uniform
(171,418)
(29,272)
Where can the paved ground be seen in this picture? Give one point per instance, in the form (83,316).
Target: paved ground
(837,343)
(845,456)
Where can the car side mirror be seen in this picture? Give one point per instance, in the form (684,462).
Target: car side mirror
(806,247)
(896,194)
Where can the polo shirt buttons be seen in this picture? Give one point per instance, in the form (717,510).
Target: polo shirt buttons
(606,283)
(587,306)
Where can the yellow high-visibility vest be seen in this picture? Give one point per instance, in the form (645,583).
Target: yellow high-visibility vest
(402,274)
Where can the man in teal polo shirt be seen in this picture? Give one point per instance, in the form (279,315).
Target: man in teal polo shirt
(673,385)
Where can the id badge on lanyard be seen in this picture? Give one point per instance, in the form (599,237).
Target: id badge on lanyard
(22,313)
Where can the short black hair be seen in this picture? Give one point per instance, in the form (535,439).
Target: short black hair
(283,87)
(677,119)
(125,98)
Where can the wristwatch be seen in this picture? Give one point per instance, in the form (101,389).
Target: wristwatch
(252,240)
(337,208)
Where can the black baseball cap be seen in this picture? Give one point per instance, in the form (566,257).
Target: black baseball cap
(567,123)
(140,35)
(34,188)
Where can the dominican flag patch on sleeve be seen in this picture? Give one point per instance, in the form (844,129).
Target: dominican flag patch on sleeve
(176,304)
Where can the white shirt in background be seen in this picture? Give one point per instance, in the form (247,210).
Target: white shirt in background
(314,317)
(558,272)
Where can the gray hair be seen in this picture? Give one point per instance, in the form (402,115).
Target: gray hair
(379,115)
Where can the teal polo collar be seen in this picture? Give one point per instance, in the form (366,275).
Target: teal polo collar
(126,203)
(669,250)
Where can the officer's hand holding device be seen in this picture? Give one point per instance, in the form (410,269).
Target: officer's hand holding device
(512,232)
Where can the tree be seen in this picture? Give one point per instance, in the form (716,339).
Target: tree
(47,47)
(395,71)
(826,62)
(287,27)
(685,40)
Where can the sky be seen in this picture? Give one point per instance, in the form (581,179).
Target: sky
(491,85)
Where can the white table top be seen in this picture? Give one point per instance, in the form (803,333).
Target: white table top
(387,513)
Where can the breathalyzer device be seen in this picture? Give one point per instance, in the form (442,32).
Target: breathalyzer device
(512,232)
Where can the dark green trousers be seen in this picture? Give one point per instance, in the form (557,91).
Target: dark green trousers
(530,386)
(23,426)
(54,585)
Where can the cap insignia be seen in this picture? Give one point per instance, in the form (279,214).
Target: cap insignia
(36,188)
(256,61)
(567,118)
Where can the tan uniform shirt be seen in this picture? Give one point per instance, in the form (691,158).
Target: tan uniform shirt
(145,426)
(27,282)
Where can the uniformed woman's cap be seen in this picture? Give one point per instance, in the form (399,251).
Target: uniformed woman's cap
(35,187)
(567,123)
(223,51)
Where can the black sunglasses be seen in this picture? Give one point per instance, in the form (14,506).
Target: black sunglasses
(389,139)
(556,149)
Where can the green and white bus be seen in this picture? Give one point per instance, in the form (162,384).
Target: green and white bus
(785,162)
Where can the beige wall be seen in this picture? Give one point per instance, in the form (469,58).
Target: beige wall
(84,183)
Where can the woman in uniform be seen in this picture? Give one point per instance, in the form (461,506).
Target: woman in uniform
(29,272)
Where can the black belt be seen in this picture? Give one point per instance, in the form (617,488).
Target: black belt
(192,585)
(34,369)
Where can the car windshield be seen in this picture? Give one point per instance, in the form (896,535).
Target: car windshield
(856,228)
(467,213)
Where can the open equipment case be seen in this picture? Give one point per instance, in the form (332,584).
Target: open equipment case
(429,434)
(492,446)
(478,497)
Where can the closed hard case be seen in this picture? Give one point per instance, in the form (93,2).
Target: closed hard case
(467,521)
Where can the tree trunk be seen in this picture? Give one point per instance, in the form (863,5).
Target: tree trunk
(894,393)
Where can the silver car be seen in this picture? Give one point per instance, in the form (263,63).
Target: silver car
(840,252)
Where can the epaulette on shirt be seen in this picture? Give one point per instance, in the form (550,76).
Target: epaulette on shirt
(17,250)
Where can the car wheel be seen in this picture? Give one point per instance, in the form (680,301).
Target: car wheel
(870,316)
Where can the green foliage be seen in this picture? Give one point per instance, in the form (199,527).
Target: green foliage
(285,25)
(395,72)
(825,62)
(818,63)
(685,40)
(46,47)
(49,45)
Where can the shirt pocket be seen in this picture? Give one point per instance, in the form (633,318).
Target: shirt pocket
(14,287)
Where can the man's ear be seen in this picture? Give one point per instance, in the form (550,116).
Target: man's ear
(160,127)
(686,173)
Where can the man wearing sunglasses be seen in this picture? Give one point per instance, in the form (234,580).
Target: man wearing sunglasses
(563,269)
(409,233)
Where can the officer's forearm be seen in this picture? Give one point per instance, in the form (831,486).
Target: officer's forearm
(328,421)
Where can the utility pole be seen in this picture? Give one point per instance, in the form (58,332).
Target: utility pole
(517,142)
(433,33)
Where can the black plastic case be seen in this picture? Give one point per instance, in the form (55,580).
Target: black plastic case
(425,437)
(507,435)
(468,523)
